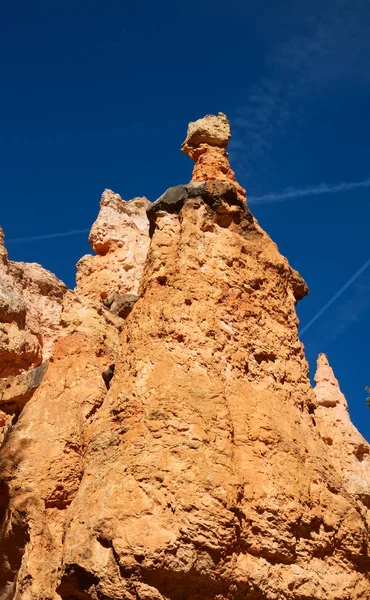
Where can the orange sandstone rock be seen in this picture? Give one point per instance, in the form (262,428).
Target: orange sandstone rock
(200,468)
(348,450)
(30,298)
(206,144)
(120,239)
(30,309)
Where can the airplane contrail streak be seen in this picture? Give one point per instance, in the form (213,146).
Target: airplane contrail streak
(335,297)
(316,190)
(46,236)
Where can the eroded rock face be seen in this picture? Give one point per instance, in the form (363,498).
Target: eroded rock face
(30,308)
(206,144)
(179,453)
(120,239)
(31,303)
(19,347)
(16,391)
(50,450)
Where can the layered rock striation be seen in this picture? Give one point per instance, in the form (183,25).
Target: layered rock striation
(175,449)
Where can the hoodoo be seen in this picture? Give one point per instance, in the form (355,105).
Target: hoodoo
(207,468)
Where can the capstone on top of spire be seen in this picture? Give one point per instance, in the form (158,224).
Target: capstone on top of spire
(212,130)
(206,144)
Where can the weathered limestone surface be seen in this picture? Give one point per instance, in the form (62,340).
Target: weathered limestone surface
(180,453)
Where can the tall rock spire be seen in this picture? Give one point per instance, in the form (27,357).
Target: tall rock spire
(200,474)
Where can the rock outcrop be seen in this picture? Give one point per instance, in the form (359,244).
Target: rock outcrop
(175,449)
(30,309)
(120,239)
(31,298)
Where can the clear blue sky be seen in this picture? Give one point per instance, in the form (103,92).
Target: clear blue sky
(98,94)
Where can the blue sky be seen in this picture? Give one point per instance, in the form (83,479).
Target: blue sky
(98,95)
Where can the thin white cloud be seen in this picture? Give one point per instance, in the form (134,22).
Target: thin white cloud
(341,291)
(333,47)
(46,236)
(316,190)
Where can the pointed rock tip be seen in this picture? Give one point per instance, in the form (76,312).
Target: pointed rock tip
(327,389)
(322,359)
(324,372)
(109,196)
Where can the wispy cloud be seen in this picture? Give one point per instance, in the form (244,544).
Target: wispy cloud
(46,236)
(315,190)
(332,47)
(335,297)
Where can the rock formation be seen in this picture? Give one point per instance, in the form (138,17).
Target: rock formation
(30,309)
(120,239)
(348,450)
(175,449)
(206,144)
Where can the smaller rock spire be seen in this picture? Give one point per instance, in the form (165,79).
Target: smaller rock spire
(206,144)
(348,451)
(327,388)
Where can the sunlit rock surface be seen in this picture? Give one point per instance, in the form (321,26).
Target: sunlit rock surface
(175,449)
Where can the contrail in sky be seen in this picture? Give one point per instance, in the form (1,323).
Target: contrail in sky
(335,297)
(316,190)
(46,236)
(289,194)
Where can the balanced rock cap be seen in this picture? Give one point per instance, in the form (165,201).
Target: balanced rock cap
(211,129)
